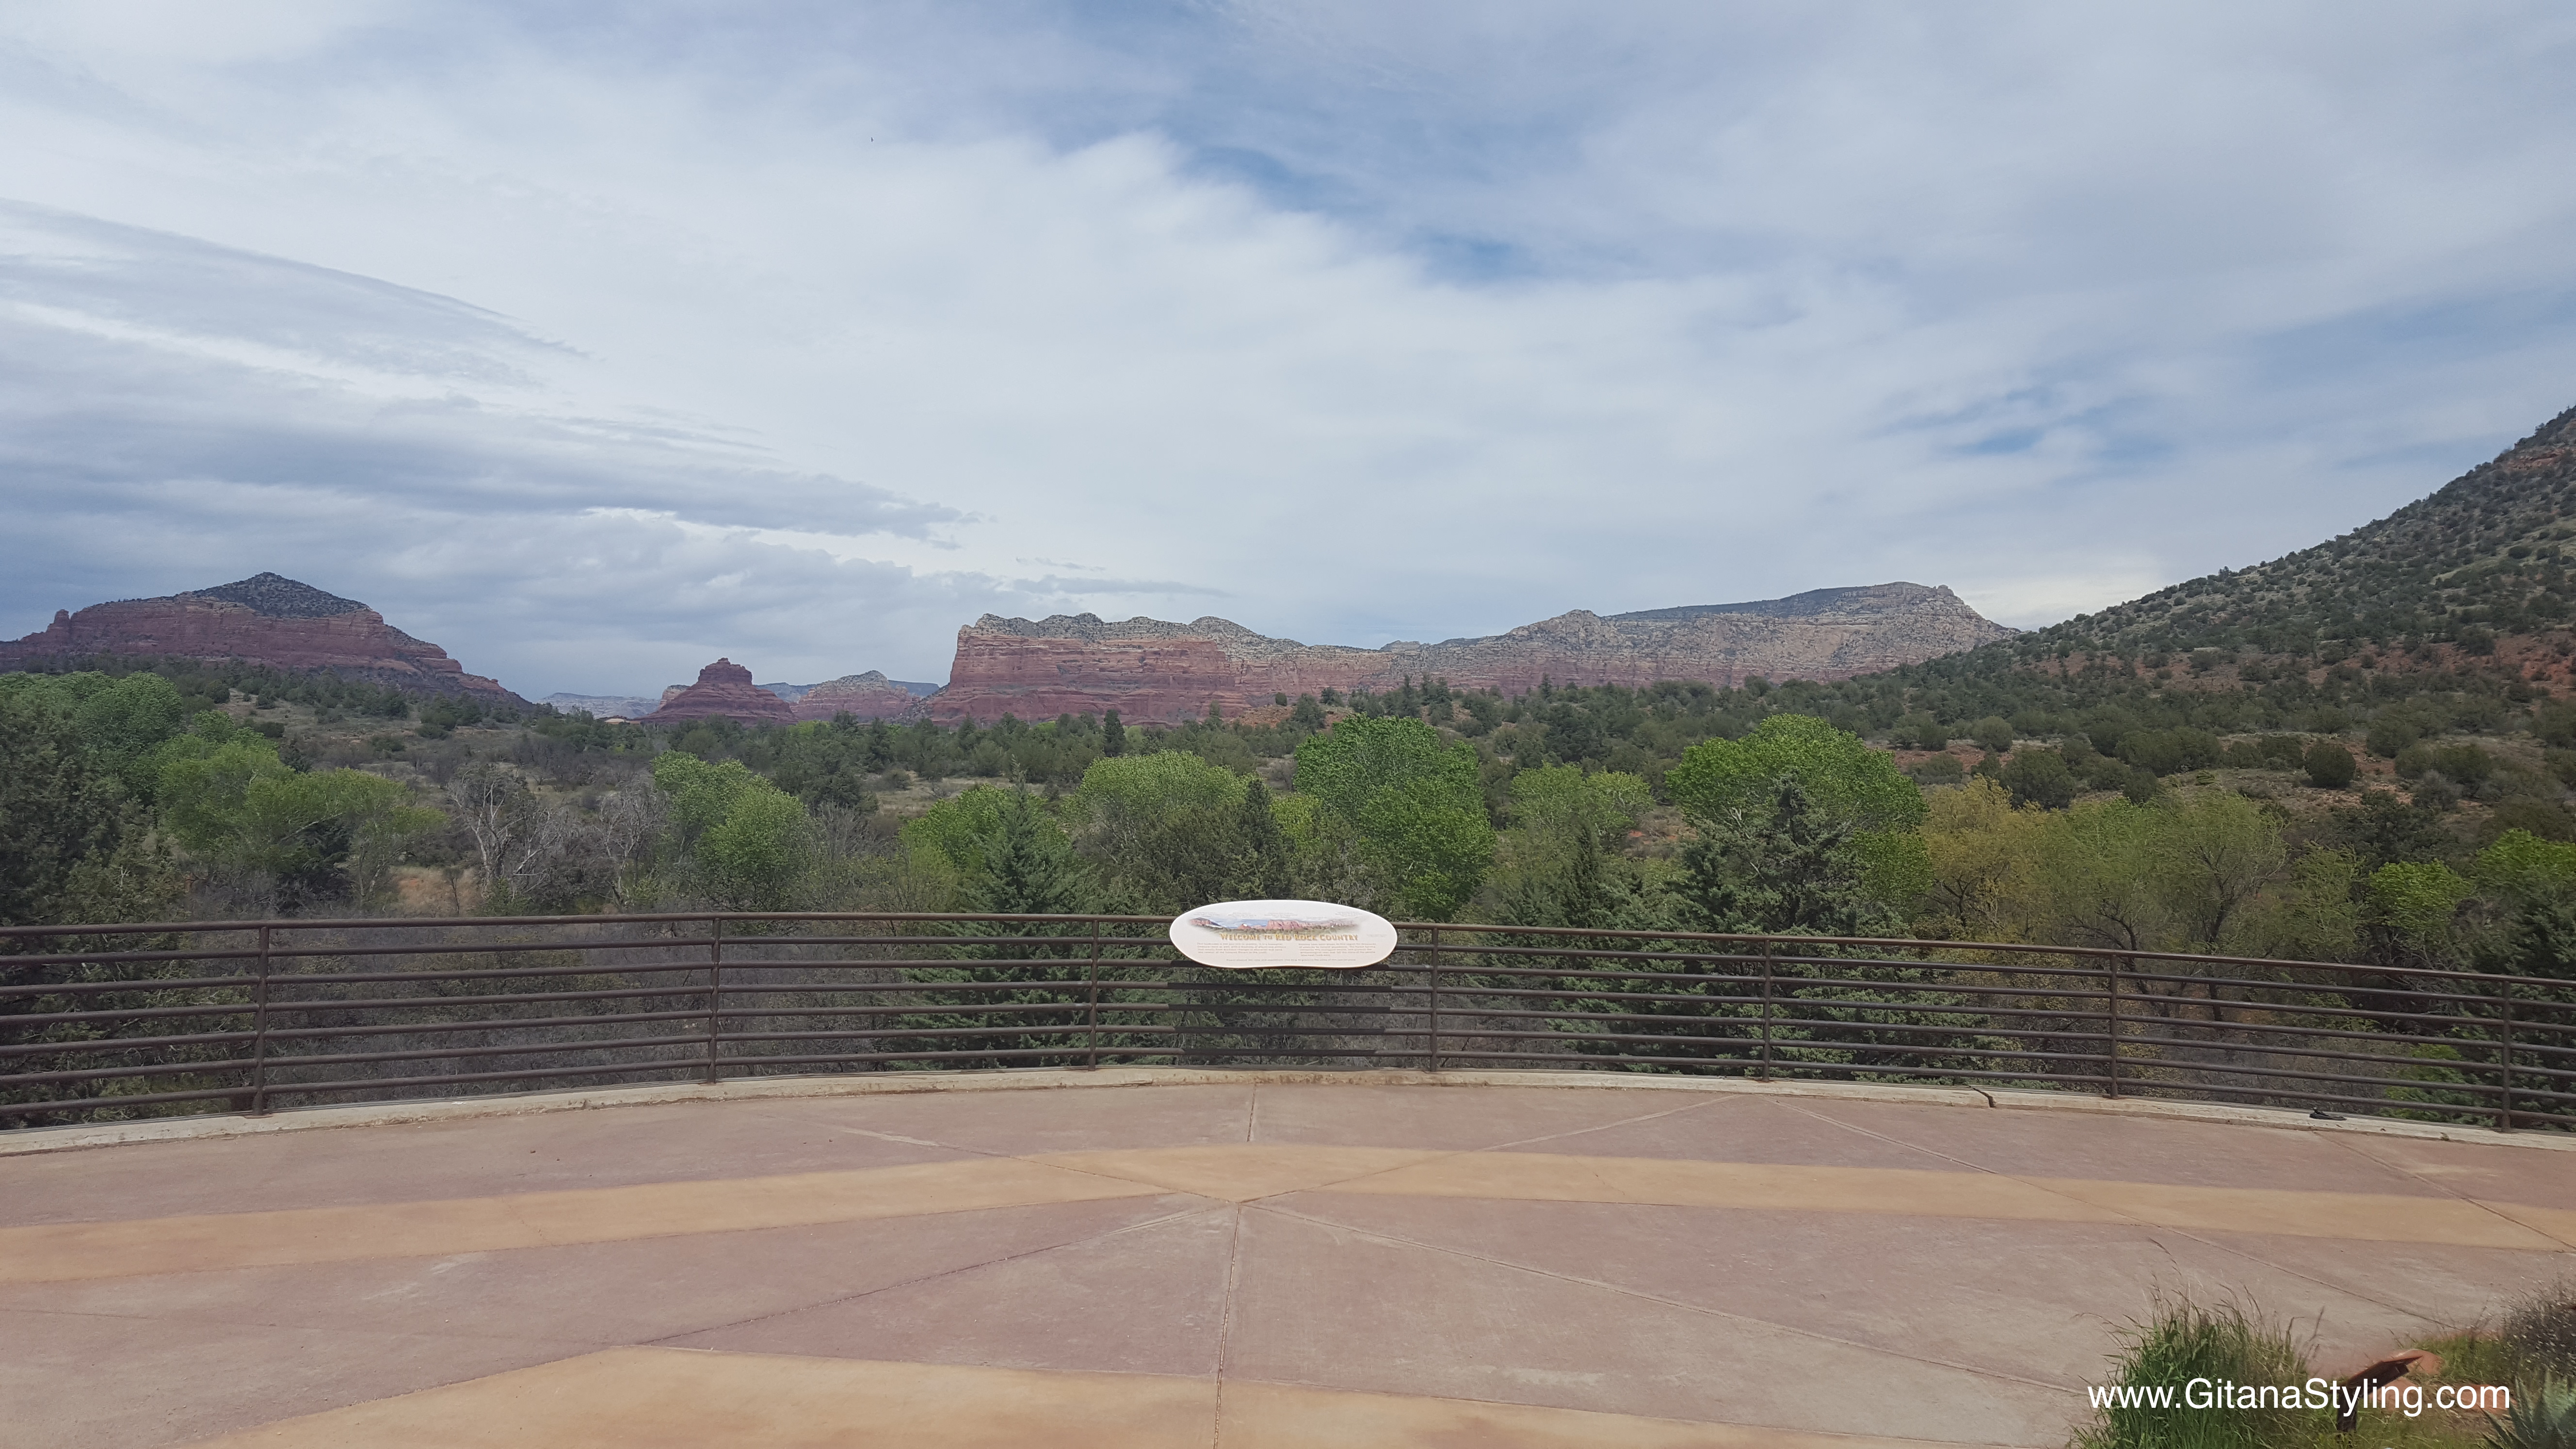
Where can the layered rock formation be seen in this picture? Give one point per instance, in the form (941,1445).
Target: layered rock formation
(867,696)
(724,690)
(266,620)
(1150,670)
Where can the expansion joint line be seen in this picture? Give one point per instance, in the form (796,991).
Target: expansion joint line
(2150,1229)
(1701,1309)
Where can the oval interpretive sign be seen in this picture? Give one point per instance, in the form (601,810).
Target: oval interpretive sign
(1241,935)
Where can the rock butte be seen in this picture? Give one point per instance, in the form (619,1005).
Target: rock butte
(724,689)
(867,696)
(1149,670)
(266,620)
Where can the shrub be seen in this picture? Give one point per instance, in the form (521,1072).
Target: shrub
(2467,765)
(2105,772)
(2170,752)
(2390,737)
(2040,777)
(2330,765)
(2540,1330)
(2545,819)
(1993,732)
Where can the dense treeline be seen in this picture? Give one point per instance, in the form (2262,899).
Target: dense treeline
(110,789)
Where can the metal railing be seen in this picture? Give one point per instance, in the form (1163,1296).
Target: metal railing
(122,1021)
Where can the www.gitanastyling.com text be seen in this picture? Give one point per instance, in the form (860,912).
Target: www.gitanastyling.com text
(2404,1398)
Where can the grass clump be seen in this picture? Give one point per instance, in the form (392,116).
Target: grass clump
(2539,1330)
(2225,1344)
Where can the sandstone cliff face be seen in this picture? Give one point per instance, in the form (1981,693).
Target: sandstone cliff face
(867,696)
(724,689)
(1149,670)
(265,620)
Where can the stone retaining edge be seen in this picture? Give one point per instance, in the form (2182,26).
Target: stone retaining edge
(28,1140)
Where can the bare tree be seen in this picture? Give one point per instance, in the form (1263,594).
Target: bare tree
(490,803)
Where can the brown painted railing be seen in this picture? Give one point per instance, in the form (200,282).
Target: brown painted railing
(107,1022)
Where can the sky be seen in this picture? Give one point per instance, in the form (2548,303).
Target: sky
(593,342)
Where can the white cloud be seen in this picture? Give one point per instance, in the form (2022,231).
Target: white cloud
(803,335)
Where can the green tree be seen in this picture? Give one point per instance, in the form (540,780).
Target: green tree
(2524,870)
(1164,828)
(1264,866)
(748,842)
(1993,732)
(1838,775)
(1416,806)
(1025,864)
(1786,867)
(2041,778)
(1015,859)
(74,845)
(1567,826)
(2414,904)
(1113,734)
(293,837)
(2214,858)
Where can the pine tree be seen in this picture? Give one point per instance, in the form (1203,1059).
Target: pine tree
(1261,848)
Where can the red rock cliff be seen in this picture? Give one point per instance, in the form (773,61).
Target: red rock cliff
(265,620)
(867,696)
(724,688)
(1149,670)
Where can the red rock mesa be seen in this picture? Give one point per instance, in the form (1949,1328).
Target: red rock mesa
(265,620)
(1149,670)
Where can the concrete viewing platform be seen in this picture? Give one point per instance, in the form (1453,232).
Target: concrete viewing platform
(1134,1259)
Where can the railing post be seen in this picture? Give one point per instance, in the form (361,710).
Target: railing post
(2504,1101)
(1432,975)
(1766,1011)
(259,1034)
(1091,1001)
(2111,1025)
(715,988)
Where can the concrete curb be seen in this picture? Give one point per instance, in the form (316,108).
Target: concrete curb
(26,1141)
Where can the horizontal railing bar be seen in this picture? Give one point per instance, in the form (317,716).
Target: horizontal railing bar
(138,1069)
(285,1063)
(277,1004)
(2167,1064)
(441,1028)
(128,1043)
(2267,1029)
(10,1020)
(384,948)
(141,1099)
(690,1066)
(93,988)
